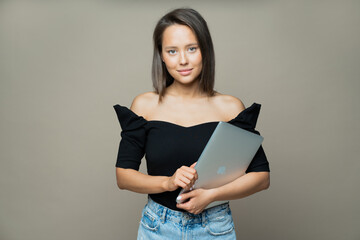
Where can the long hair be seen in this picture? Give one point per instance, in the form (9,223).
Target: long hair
(191,18)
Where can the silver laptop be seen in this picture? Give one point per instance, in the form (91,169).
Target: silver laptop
(225,157)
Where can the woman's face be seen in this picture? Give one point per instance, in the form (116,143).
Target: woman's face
(181,53)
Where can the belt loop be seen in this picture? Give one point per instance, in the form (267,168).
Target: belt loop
(163,216)
(203,219)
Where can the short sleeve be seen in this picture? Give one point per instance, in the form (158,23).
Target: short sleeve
(133,138)
(247,120)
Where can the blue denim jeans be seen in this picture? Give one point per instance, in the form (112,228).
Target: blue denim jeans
(159,222)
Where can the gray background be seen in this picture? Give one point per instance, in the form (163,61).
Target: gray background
(64,64)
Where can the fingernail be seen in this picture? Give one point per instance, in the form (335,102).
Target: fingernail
(178,198)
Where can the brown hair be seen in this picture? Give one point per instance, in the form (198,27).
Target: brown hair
(191,18)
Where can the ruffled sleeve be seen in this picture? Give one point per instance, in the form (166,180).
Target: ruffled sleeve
(247,120)
(133,138)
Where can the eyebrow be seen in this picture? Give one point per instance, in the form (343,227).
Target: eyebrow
(191,44)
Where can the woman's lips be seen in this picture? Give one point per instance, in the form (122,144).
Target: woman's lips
(185,72)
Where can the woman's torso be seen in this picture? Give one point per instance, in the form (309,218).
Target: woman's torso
(177,132)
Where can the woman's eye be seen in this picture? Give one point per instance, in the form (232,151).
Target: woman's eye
(172,52)
(192,49)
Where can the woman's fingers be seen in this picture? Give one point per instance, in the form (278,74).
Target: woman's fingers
(193,165)
(184,177)
(190,174)
(190,170)
(186,182)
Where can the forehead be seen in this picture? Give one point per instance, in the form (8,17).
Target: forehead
(178,35)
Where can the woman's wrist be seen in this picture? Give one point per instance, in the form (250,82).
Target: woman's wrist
(165,184)
(214,193)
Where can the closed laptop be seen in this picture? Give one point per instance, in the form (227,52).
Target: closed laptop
(225,157)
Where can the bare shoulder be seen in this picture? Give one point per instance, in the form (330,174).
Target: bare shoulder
(229,105)
(144,103)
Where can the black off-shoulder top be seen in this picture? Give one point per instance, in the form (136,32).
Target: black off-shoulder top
(168,146)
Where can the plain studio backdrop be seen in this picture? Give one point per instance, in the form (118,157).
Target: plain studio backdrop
(64,64)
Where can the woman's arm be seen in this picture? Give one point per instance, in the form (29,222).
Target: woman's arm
(244,186)
(241,187)
(136,181)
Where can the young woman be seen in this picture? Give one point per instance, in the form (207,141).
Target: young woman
(172,125)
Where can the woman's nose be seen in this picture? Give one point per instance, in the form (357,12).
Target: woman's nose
(183,58)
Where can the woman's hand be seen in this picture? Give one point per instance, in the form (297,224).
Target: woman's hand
(241,187)
(184,177)
(198,200)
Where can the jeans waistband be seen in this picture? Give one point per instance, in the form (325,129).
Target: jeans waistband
(167,214)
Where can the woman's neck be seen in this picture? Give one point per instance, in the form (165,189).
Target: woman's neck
(185,91)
